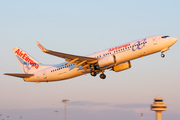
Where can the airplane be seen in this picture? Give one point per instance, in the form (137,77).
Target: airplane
(115,58)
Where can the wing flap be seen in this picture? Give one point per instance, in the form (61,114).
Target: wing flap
(20,75)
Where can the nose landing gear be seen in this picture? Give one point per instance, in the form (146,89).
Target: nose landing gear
(162,55)
(164,50)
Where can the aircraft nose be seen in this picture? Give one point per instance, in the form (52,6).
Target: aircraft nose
(174,40)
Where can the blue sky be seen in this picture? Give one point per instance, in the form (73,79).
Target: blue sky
(83,27)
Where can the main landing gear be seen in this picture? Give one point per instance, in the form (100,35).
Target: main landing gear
(162,55)
(102,76)
(93,73)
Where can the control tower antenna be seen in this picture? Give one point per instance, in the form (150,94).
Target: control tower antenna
(158,106)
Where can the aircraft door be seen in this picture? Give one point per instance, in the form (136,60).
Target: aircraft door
(44,74)
(154,41)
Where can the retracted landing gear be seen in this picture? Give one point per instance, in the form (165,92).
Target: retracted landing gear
(162,55)
(93,73)
(102,76)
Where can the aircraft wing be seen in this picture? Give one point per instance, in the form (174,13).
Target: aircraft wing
(75,59)
(19,75)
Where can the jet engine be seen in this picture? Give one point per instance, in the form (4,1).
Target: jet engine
(108,60)
(122,66)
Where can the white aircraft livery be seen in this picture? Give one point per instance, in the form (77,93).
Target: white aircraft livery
(116,59)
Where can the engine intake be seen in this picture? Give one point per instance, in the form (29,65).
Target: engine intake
(122,66)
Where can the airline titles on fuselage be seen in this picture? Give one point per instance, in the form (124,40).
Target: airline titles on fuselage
(136,46)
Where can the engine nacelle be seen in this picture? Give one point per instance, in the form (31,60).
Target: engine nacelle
(108,60)
(122,66)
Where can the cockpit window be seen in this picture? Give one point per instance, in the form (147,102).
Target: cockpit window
(165,36)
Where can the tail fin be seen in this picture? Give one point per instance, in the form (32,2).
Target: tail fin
(28,64)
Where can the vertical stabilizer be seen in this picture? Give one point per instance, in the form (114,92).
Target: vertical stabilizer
(28,63)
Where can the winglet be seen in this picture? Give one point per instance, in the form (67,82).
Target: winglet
(43,49)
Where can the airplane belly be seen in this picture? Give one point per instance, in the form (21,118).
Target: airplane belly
(70,73)
(35,78)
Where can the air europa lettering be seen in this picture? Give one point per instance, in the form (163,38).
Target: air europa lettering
(119,47)
(26,58)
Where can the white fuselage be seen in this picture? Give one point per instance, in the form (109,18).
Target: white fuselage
(123,53)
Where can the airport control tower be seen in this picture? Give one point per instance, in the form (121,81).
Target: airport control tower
(158,106)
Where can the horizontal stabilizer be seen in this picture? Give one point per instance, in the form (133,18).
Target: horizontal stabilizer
(19,75)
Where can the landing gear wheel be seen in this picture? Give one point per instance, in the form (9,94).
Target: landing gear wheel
(102,76)
(93,73)
(162,55)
